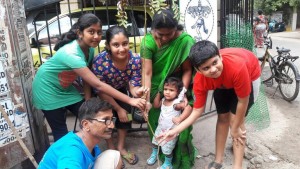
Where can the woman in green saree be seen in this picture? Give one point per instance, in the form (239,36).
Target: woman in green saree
(165,53)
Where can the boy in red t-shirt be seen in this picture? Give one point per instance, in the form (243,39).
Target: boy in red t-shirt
(233,74)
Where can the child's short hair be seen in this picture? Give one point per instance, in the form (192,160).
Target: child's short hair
(202,51)
(174,81)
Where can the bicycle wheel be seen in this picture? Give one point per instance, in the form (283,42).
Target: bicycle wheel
(288,85)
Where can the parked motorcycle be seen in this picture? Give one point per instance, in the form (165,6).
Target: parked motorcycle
(275,26)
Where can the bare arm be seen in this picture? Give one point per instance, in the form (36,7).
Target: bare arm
(187,73)
(186,112)
(137,91)
(87,91)
(157,101)
(93,81)
(240,113)
(122,114)
(147,75)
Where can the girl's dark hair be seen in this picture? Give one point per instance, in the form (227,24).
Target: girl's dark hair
(84,21)
(165,19)
(202,51)
(111,32)
(174,81)
(90,108)
(260,12)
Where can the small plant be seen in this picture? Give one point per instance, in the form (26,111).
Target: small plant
(122,15)
(158,5)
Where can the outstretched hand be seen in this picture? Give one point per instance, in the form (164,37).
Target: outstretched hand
(138,102)
(122,114)
(166,136)
(141,91)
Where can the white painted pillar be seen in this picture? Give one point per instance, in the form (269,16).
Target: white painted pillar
(294,19)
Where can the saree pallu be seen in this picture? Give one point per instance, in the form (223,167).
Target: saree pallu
(165,61)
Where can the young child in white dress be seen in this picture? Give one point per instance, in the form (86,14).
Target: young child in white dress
(171,106)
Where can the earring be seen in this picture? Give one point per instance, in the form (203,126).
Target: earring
(87,129)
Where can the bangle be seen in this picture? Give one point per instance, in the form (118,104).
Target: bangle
(174,106)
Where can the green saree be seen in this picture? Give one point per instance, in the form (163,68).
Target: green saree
(165,61)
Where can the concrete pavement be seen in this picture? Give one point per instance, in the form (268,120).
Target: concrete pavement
(290,35)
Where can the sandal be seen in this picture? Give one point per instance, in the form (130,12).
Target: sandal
(131,158)
(214,165)
(123,165)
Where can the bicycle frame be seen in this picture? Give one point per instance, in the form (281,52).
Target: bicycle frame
(276,62)
(282,57)
(280,66)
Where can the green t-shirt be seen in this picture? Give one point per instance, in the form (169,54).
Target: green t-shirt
(52,86)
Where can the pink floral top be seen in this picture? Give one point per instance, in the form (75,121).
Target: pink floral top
(104,69)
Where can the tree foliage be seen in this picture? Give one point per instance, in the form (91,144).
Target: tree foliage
(269,6)
(155,5)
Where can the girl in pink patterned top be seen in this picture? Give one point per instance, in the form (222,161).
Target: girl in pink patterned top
(120,68)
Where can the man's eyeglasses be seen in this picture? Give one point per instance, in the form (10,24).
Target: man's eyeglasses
(105,121)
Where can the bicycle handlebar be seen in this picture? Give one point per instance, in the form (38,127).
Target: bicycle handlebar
(268,42)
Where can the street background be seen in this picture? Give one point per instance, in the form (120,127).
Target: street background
(276,146)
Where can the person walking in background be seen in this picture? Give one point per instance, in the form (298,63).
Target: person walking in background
(171,106)
(78,150)
(165,53)
(260,29)
(52,87)
(121,69)
(233,74)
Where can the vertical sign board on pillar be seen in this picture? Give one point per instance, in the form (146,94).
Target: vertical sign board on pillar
(16,74)
(200,19)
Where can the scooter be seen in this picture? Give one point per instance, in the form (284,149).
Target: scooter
(275,26)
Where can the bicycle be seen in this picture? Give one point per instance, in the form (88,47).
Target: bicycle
(281,69)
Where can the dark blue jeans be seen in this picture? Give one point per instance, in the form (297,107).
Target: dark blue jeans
(57,119)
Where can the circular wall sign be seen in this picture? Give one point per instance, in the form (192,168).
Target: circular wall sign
(199,19)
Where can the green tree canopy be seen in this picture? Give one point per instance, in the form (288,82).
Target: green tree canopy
(269,6)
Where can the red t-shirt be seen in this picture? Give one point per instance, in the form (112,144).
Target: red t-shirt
(240,68)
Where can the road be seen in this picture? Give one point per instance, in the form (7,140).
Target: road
(290,40)
(278,145)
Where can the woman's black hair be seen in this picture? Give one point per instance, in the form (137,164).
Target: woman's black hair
(257,19)
(111,32)
(84,21)
(260,12)
(174,81)
(165,19)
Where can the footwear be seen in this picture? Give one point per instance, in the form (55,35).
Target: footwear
(123,165)
(214,165)
(167,164)
(153,157)
(131,158)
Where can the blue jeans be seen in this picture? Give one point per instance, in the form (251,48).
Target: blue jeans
(57,119)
